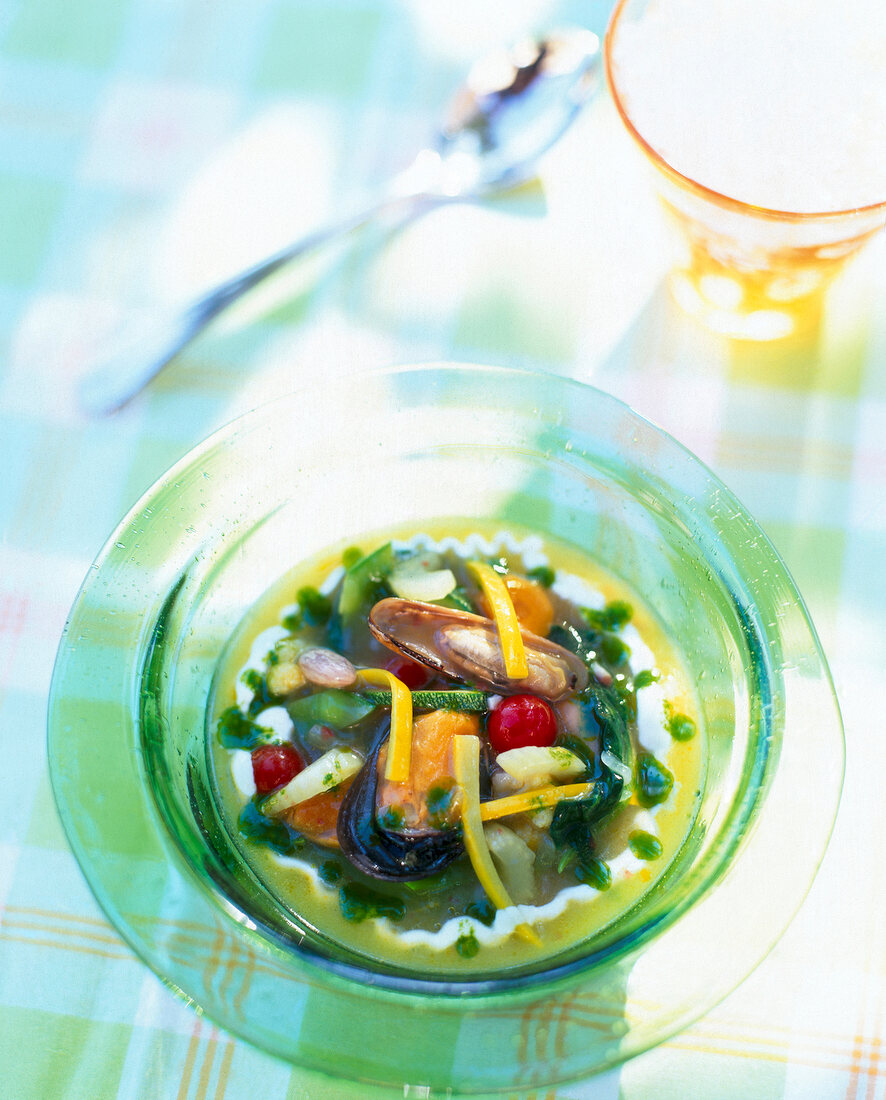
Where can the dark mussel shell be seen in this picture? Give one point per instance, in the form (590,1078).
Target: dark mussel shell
(382,853)
(466,647)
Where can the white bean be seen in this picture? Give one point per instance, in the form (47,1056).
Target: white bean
(326,668)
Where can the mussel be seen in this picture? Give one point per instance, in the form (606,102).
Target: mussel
(466,647)
(407,850)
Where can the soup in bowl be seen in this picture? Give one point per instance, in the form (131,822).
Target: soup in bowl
(452,695)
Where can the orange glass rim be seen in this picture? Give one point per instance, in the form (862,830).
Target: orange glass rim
(686,181)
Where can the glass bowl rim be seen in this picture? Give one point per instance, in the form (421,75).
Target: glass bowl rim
(344,972)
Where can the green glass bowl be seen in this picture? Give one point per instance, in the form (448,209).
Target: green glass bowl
(128,740)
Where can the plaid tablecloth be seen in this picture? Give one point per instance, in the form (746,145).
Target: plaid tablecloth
(148,147)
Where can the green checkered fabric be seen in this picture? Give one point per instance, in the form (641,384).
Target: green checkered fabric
(148,148)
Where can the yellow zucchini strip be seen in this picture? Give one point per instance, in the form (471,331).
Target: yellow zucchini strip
(466,760)
(506,623)
(530,801)
(399,759)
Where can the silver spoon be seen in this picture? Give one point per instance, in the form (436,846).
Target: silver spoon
(512,108)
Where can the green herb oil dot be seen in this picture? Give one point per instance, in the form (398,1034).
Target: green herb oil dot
(652,780)
(613,650)
(619,613)
(330,872)
(681,727)
(644,845)
(439,801)
(315,607)
(255,826)
(391,818)
(358,902)
(483,911)
(543,574)
(236,731)
(467,945)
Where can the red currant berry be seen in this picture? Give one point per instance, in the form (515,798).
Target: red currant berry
(521,720)
(274,765)
(412,674)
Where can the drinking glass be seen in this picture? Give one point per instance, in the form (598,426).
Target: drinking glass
(744,269)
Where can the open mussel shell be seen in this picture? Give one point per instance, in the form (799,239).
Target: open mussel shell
(465,647)
(383,853)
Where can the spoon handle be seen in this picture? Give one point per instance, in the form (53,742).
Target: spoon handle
(149,346)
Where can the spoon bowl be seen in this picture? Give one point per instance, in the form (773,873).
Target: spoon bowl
(515,105)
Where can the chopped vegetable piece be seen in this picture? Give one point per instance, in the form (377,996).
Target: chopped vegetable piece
(331,769)
(287,650)
(317,817)
(400,744)
(618,767)
(521,720)
(506,623)
(284,678)
(430,790)
(574,820)
(532,604)
(432,756)
(607,710)
(530,801)
(613,650)
(466,751)
(351,556)
(459,600)
(413,581)
(534,764)
(580,748)
(594,872)
(363,578)
(515,860)
(339,709)
(476,701)
(274,765)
